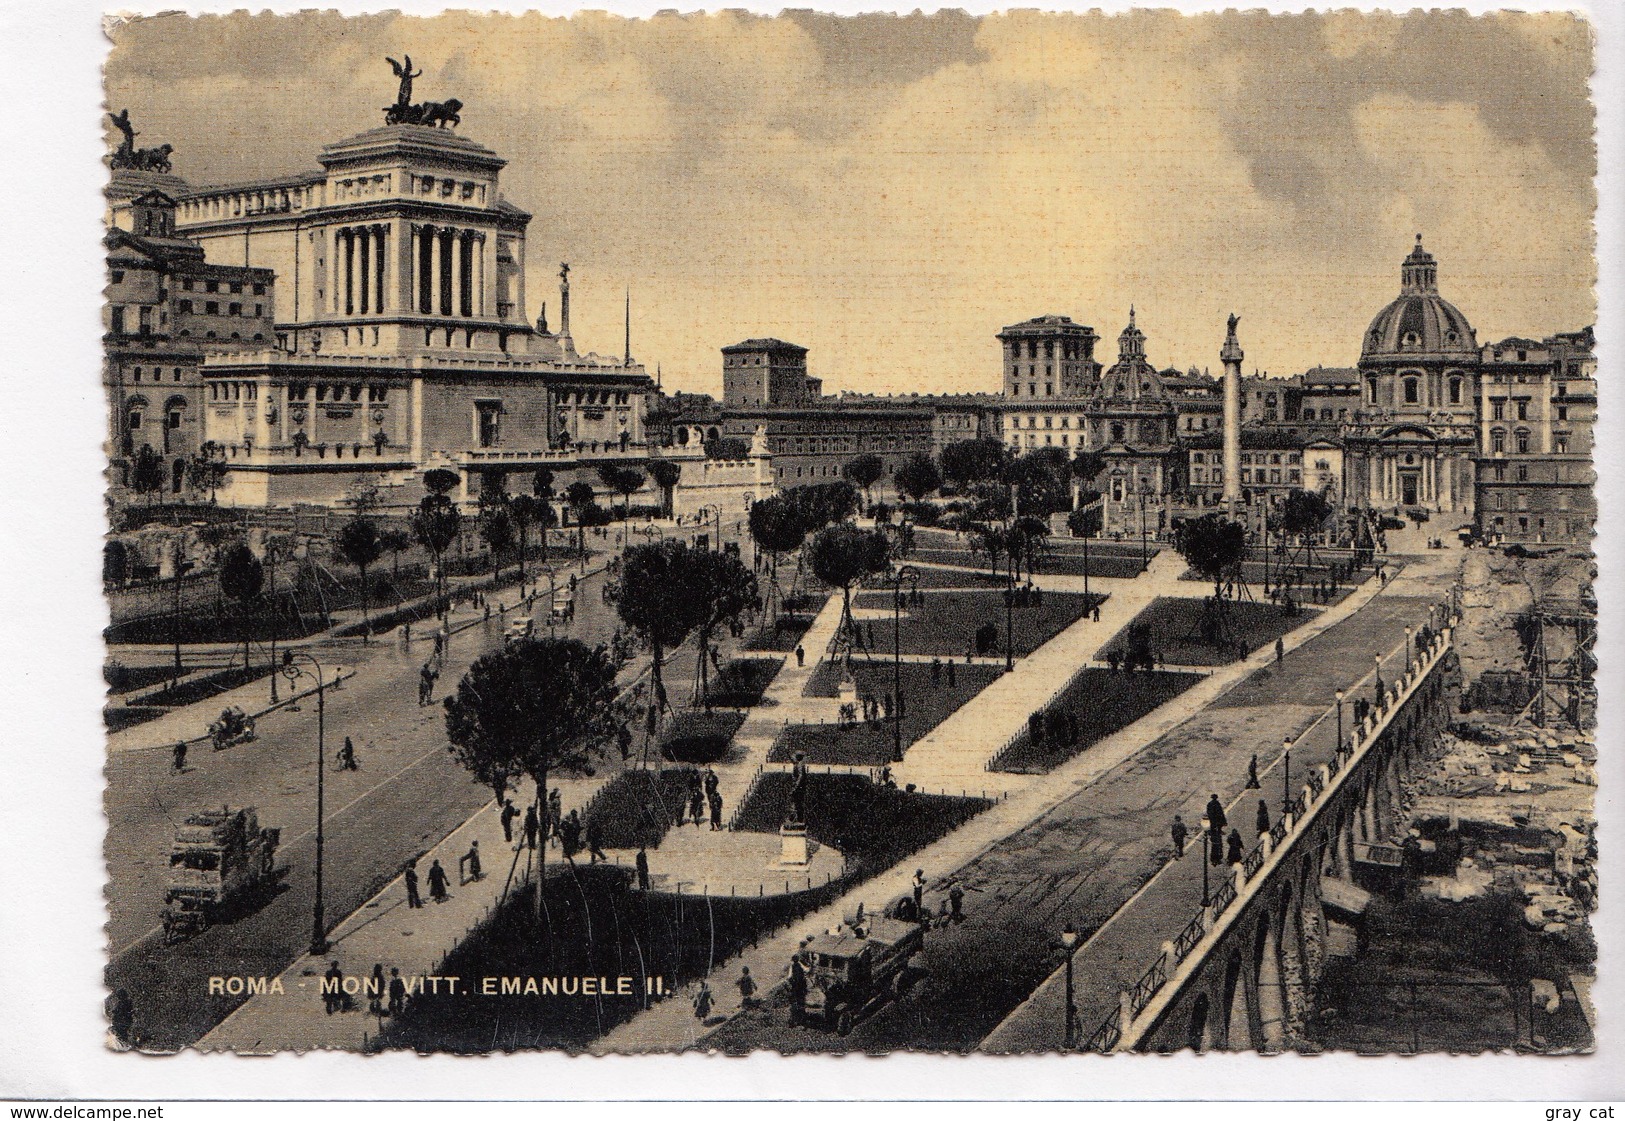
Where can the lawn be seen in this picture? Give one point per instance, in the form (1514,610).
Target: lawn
(636,808)
(1101,702)
(742,681)
(871,744)
(1176,637)
(700,737)
(873,826)
(1255,572)
(946,621)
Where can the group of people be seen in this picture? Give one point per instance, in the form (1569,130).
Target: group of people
(384,998)
(439,883)
(704,794)
(941,669)
(876,710)
(1223,847)
(554,826)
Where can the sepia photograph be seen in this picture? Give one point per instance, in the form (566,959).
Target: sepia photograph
(1037,533)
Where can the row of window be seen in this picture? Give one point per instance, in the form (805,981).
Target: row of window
(1069,350)
(212,307)
(235,287)
(157,373)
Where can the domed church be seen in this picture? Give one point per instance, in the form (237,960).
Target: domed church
(1412,441)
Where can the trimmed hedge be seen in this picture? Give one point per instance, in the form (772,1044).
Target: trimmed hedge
(700,737)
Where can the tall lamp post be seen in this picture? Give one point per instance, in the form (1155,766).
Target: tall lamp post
(1207,846)
(1145,558)
(318,921)
(1286,775)
(1069,943)
(910,575)
(1009,607)
(1408,632)
(1339,745)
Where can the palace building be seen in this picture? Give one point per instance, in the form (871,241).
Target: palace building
(401,340)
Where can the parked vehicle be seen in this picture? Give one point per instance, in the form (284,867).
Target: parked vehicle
(854,969)
(217,857)
(233,727)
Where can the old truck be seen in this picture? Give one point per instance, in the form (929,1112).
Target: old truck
(218,857)
(860,965)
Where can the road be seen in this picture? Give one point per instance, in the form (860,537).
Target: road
(1087,857)
(407,794)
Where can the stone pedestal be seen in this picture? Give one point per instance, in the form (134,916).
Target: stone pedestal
(794,847)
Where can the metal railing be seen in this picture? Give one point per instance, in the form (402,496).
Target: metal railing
(1134,1001)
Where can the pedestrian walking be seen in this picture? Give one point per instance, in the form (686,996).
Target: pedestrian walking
(437,883)
(426,678)
(1233,856)
(747,988)
(180,756)
(333,988)
(1280,650)
(470,864)
(798,989)
(375,990)
(531,826)
(715,802)
(397,992)
(595,841)
(347,756)
(508,814)
(1252,772)
(702,1003)
(801,657)
(642,865)
(413,899)
(1178,832)
(936,672)
(570,835)
(696,804)
(712,783)
(1263,818)
(555,812)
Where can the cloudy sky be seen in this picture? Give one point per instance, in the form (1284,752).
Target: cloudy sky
(891,191)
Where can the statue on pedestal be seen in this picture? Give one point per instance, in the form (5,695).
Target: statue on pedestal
(431,113)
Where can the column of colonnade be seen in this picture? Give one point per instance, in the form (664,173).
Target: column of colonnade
(448,270)
(359,274)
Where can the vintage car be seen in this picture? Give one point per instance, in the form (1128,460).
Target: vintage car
(854,969)
(217,857)
(234,727)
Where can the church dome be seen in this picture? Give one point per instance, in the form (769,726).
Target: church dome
(1421,323)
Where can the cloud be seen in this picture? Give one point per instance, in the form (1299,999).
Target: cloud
(890,191)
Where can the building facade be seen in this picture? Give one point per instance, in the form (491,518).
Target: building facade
(1049,356)
(401,338)
(1537,407)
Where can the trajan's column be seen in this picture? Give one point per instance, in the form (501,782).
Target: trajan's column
(1231,356)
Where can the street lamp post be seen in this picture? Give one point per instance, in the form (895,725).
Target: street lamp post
(1145,558)
(1408,631)
(1376,672)
(318,922)
(1009,611)
(1339,720)
(910,575)
(1207,845)
(1069,942)
(1286,775)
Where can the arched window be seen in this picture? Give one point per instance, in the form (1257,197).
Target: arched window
(1371,391)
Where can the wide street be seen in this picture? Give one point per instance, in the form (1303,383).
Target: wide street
(406,795)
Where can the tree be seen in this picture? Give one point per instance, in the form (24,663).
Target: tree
(776,527)
(115,563)
(729,590)
(580,498)
(535,708)
(1043,482)
(991,502)
(660,599)
(436,525)
(360,544)
(526,511)
(1304,512)
(147,473)
(1213,546)
(241,577)
(666,475)
(441,481)
(207,469)
(628,481)
(1086,520)
(496,530)
(1087,466)
(364,494)
(841,555)
(395,542)
(1027,541)
(823,504)
(991,541)
(727,447)
(917,477)
(864,471)
(974,461)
